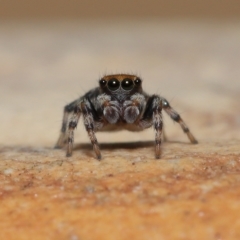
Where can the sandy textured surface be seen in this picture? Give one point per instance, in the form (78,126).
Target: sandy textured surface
(191,193)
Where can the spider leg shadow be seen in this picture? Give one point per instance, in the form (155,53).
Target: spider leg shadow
(122,145)
(116,145)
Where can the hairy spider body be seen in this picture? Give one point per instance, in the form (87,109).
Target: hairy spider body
(118,103)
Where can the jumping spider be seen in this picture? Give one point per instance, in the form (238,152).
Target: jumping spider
(118,103)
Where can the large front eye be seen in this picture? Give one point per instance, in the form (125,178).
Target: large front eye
(113,84)
(127,84)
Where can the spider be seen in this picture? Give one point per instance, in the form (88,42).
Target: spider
(118,103)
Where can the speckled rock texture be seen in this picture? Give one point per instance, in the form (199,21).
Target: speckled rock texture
(192,192)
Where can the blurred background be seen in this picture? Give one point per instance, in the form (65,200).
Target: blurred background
(51,52)
(107,9)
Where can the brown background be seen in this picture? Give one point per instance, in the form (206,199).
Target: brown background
(73,9)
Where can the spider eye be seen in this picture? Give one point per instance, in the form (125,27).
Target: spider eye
(138,82)
(113,84)
(127,84)
(165,103)
(102,82)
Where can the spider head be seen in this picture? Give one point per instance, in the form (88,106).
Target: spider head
(120,85)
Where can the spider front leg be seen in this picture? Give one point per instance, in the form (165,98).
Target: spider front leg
(89,125)
(71,127)
(151,115)
(177,118)
(68,109)
(157,124)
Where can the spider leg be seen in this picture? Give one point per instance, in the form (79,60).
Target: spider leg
(89,125)
(68,109)
(152,116)
(177,118)
(157,124)
(71,126)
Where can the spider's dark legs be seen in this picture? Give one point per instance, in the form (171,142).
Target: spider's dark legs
(63,136)
(157,124)
(71,126)
(89,125)
(177,118)
(152,116)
